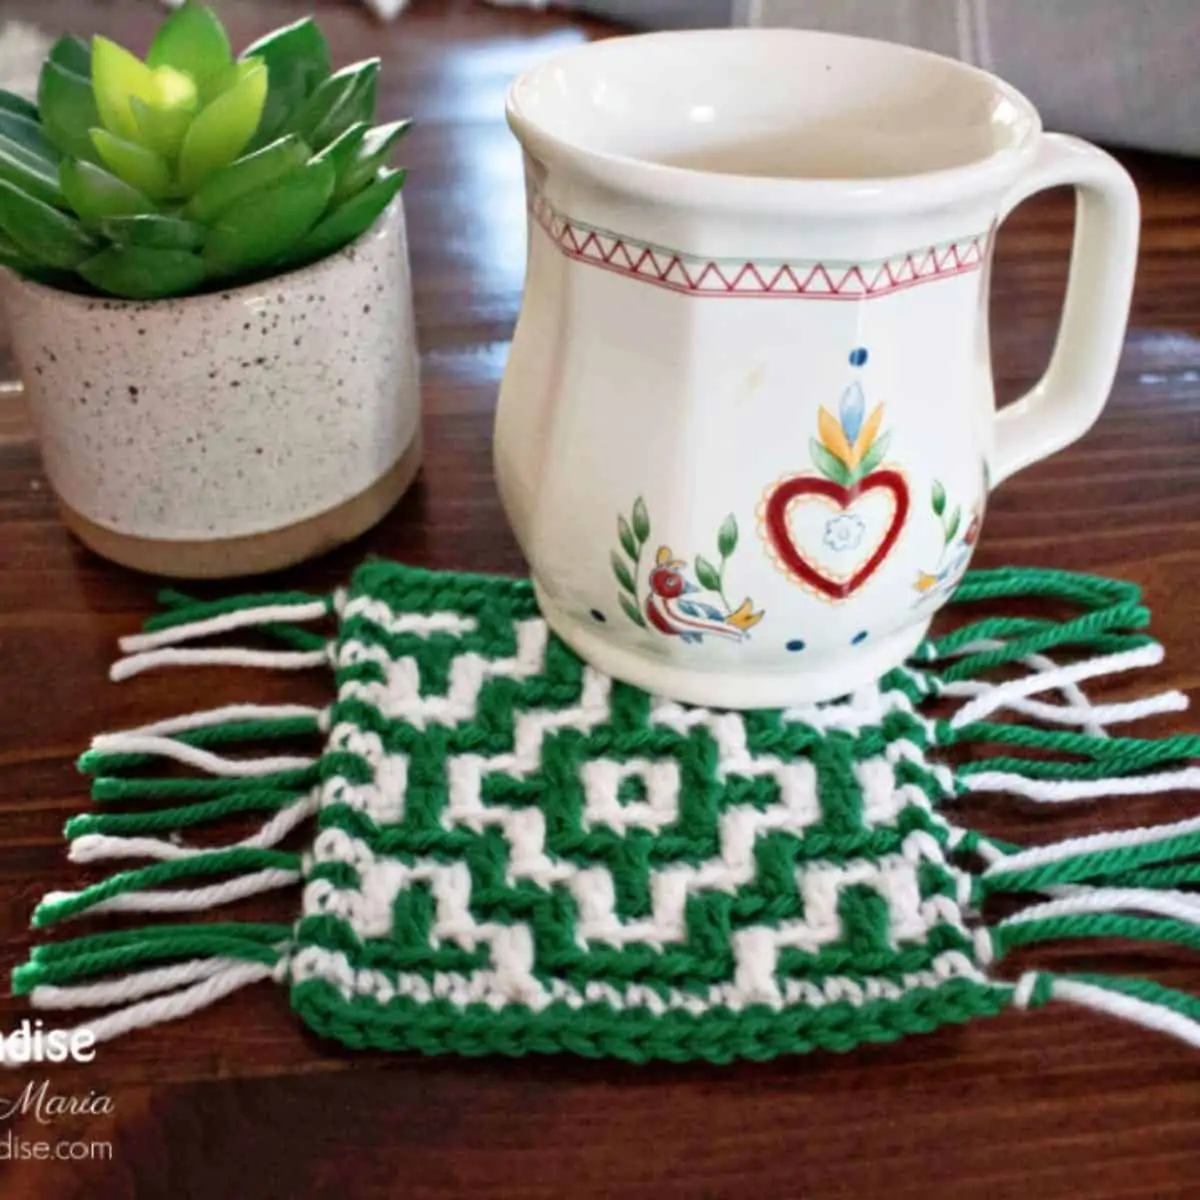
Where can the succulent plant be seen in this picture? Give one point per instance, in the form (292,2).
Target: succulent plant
(191,169)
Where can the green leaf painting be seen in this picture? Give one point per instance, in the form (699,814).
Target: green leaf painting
(641,521)
(624,578)
(727,536)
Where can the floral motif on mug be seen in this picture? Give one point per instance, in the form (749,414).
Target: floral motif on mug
(677,599)
(831,529)
(958,543)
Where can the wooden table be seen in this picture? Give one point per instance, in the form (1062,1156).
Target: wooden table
(240,1101)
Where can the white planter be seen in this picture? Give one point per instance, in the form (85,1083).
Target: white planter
(233,432)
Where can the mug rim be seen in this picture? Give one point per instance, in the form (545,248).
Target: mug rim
(693,187)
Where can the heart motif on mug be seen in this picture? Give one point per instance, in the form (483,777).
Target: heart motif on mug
(835,555)
(832,530)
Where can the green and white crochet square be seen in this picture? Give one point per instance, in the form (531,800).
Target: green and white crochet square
(511,852)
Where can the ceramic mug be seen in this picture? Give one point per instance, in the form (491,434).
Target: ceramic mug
(747,430)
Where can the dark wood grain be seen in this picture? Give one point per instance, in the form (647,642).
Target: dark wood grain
(240,1101)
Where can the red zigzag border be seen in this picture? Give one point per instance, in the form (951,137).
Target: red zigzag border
(693,276)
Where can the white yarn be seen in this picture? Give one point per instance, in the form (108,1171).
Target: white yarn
(279,660)
(1128,1008)
(212,896)
(1003,695)
(177,1004)
(1092,718)
(130,987)
(1067,791)
(267,614)
(229,714)
(197,756)
(94,847)
(1091,844)
(1181,906)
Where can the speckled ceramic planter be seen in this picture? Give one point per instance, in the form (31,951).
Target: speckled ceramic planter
(234,432)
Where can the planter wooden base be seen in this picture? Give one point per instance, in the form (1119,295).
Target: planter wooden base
(226,558)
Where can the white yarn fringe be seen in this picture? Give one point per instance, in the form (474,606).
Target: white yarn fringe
(1095,843)
(1115,1004)
(178,1004)
(196,756)
(1181,906)
(229,714)
(191,900)
(278,660)
(1004,695)
(132,987)
(267,614)
(95,847)
(1068,791)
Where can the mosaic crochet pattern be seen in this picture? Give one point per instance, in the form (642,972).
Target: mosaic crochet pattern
(516,852)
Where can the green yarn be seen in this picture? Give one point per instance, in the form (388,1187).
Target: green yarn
(1094,925)
(166,820)
(1094,868)
(108,788)
(231,733)
(1144,989)
(64,963)
(218,862)
(183,610)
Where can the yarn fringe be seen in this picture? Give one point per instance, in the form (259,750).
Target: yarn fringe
(1014,682)
(1125,884)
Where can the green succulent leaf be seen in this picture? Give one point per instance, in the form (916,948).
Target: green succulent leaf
(727,536)
(641,521)
(829,464)
(161,129)
(346,97)
(297,60)
(266,224)
(228,185)
(708,575)
(224,128)
(68,110)
(341,150)
(192,40)
(29,135)
(30,171)
(246,175)
(350,221)
(137,165)
(631,611)
(626,535)
(154,231)
(96,194)
(117,76)
(18,106)
(41,232)
(621,571)
(72,54)
(369,156)
(142,273)
(13,257)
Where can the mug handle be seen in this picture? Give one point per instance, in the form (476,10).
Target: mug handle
(1066,401)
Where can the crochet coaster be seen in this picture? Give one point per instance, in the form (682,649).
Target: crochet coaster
(511,852)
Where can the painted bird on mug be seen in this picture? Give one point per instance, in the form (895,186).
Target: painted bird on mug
(671,606)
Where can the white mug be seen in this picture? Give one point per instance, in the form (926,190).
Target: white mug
(747,429)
